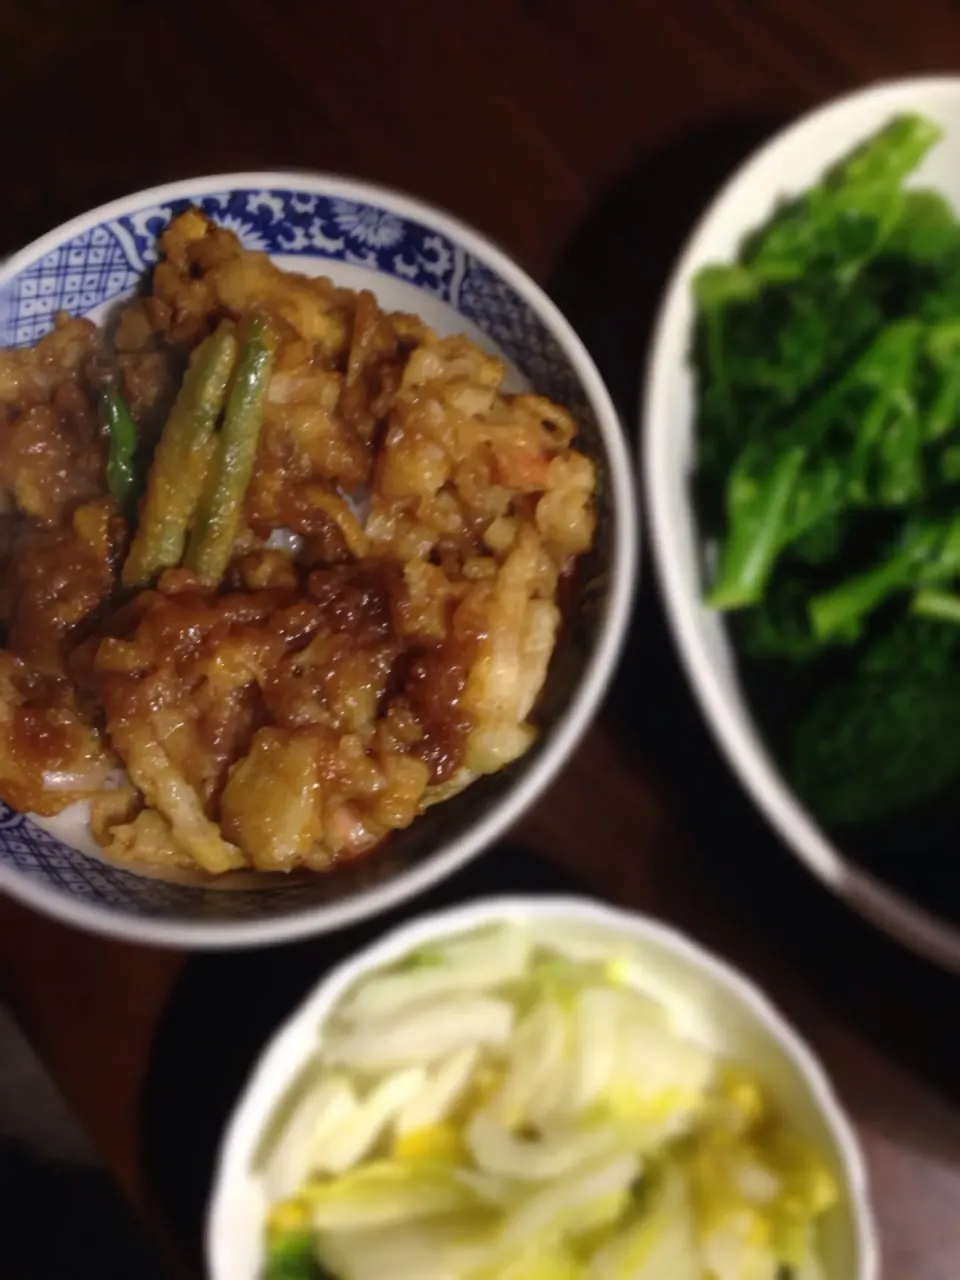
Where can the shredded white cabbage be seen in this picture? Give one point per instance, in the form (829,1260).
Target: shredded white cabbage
(351,1135)
(440,1092)
(424,1033)
(478,962)
(552,1155)
(513,1105)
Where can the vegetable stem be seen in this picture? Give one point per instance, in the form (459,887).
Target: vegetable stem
(221,504)
(841,610)
(927,552)
(182,459)
(121,461)
(759,511)
(944,605)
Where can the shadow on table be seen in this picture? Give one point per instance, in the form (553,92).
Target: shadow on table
(612,274)
(63,1219)
(736,887)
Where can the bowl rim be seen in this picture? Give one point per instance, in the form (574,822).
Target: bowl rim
(572,724)
(275,1067)
(873,898)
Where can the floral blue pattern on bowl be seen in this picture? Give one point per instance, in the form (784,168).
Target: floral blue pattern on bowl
(109,261)
(106,260)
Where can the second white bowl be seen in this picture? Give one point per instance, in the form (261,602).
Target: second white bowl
(785,167)
(711,1002)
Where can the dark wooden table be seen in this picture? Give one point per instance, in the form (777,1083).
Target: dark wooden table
(585,137)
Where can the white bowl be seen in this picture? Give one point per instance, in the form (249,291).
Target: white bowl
(784,167)
(712,1002)
(415,258)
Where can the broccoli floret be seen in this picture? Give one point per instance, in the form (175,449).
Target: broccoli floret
(884,740)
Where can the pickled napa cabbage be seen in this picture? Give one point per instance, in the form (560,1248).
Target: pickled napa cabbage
(512,1105)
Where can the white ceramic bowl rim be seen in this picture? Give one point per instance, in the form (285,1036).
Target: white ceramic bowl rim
(890,910)
(276,1068)
(569,728)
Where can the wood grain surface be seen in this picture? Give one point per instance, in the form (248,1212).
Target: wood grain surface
(585,137)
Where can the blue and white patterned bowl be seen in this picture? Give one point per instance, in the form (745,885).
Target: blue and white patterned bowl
(417,259)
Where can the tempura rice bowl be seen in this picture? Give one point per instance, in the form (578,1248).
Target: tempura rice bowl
(416,260)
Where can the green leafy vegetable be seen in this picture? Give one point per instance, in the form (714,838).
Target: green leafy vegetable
(937,604)
(759,498)
(885,462)
(828,356)
(884,741)
(927,552)
(943,350)
(927,229)
(844,220)
(779,627)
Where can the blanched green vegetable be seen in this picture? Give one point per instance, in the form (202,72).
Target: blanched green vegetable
(828,357)
(121,460)
(221,504)
(927,229)
(845,220)
(778,628)
(182,459)
(884,740)
(858,443)
(926,552)
(937,604)
(760,494)
(885,467)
